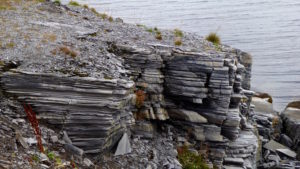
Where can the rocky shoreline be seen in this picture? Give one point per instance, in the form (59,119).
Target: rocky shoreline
(113,95)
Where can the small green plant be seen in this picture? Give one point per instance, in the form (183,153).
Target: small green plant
(178,33)
(214,38)
(35,158)
(51,155)
(140,25)
(57,2)
(190,160)
(58,161)
(149,30)
(74,3)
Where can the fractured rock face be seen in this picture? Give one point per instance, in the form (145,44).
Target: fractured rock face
(145,68)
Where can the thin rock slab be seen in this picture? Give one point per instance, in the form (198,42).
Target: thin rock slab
(124,146)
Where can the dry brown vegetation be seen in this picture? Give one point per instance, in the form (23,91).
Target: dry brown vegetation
(67,51)
(178,41)
(49,37)
(10,45)
(158,36)
(275,122)
(11,4)
(140,98)
(110,19)
(7,5)
(53,52)
(102,15)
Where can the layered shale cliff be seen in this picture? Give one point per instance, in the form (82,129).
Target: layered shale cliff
(95,79)
(199,93)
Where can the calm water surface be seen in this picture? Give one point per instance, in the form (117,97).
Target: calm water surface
(268,29)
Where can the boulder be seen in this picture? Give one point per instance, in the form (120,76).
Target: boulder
(262,105)
(291,125)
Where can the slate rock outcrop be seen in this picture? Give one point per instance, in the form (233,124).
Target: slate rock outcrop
(96,79)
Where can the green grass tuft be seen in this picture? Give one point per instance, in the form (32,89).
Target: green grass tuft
(94,11)
(103,15)
(57,2)
(74,3)
(214,38)
(178,33)
(189,160)
(149,30)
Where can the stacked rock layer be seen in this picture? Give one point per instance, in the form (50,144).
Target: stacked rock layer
(93,112)
(209,85)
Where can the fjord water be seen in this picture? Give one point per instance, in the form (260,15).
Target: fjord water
(268,29)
